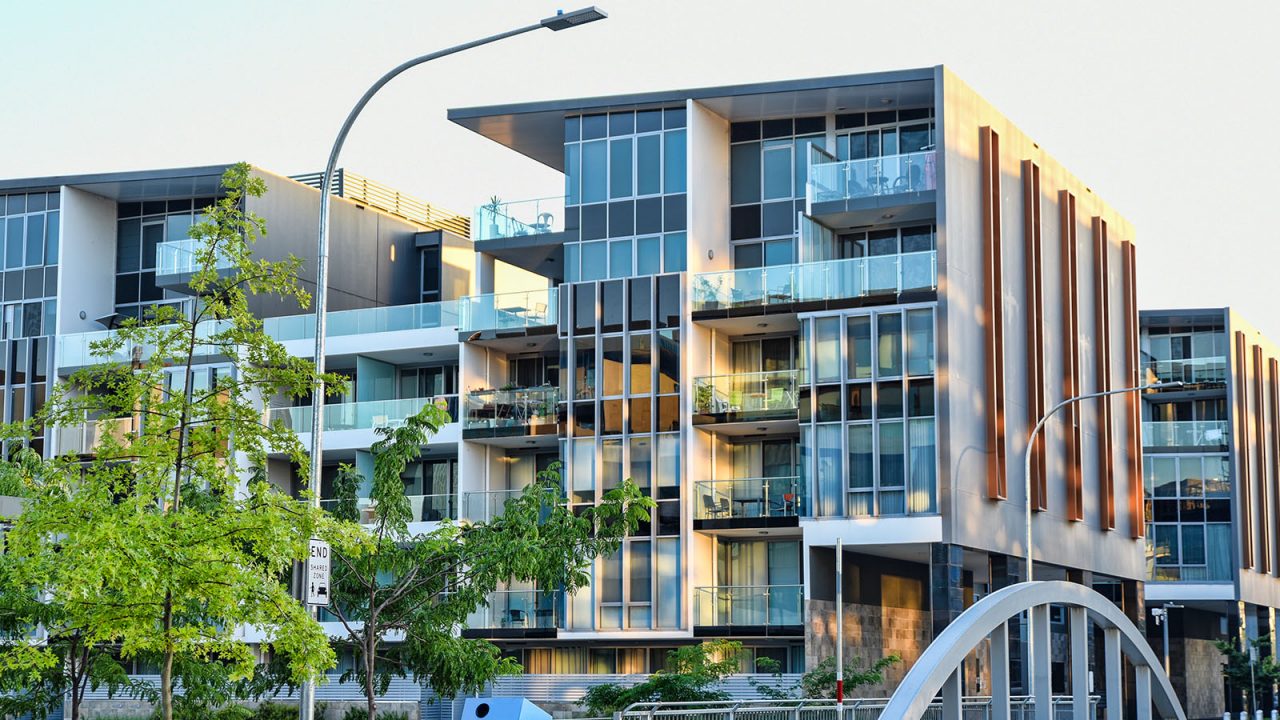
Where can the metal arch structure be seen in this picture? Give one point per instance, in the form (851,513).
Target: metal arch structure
(938,669)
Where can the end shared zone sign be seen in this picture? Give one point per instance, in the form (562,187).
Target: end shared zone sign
(316,576)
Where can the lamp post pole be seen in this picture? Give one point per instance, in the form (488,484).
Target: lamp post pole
(1026,477)
(559,21)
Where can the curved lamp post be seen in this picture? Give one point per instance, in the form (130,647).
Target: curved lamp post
(559,21)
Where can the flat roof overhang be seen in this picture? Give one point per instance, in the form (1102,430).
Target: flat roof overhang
(541,253)
(132,186)
(536,129)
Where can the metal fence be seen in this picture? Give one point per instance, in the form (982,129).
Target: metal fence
(973,708)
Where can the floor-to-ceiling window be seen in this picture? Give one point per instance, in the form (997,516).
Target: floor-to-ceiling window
(1188,512)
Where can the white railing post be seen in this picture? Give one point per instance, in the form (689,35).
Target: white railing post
(1041,685)
(1115,679)
(1078,631)
(1000,684)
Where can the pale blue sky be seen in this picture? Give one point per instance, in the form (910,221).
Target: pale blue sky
(1162,108)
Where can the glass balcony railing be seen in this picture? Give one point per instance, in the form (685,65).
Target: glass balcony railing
(424,508)
(508,311)
(748,393)
(1193,371)
(366,321)
(749,498)
(180,257)
(816,281)
(85,438)
(361,415)
(749,605)
(871,177)
(486,506)
(76,349)
(518,407)
(522,217)
(1184,433)
(518,609)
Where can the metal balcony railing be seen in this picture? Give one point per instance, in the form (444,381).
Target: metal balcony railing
(723,605)
(746,393)
(844,279)
(508,311)
(361,415)
(523,217)
(1184,433)
(749,498)
(366,321)
(517,407)
(872,177)
(518,609)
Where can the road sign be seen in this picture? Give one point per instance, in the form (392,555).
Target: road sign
(316,576)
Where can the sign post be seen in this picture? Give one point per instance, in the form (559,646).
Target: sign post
(315,579)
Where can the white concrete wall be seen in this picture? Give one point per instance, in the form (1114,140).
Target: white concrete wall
(87,262)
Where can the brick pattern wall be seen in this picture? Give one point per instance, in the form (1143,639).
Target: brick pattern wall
(1202,696)
(870,632)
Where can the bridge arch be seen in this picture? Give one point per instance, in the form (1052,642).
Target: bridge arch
(938,669)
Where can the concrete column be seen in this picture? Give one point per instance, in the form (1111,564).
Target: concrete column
(1078,633)
(1007,570)
(1115,678)
(1000,685)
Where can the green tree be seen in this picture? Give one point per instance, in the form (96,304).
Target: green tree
(1263,675)
(421,587)
(171,538)
(691,676)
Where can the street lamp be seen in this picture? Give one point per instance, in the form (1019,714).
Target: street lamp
(1161,614)
(1031,443)
(559,21)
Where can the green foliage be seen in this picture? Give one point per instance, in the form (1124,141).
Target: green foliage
(276,711)
(168,540)
(423,586)
(358,713)
(820,681)
(1264,674)
(693,673)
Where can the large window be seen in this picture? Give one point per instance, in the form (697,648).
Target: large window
(868,435)
(141,227)
(625,194)
(769,163)
(1188,512)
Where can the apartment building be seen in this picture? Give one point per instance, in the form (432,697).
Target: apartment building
(1211,469)
(795,312)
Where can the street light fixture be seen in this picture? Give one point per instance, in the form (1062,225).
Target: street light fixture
(560,21)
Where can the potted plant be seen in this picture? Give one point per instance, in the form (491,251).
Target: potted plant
(493,207)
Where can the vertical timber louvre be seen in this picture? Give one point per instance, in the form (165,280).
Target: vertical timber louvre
(1035,323)
(1132,404)
(993,306)
(1070,354)
(1242,445)
(1102,368)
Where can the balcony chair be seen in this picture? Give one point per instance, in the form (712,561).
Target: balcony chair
(516,617)
(545,221)
(715,509)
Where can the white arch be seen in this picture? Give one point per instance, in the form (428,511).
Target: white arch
(937,669)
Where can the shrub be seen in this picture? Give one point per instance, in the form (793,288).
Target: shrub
(277,711)
(361,713)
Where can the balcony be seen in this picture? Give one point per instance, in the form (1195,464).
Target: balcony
(366,321)
(423,508)
(361,415)
(178,260)
(86,438)
(1185,434)
(517,614)
(512,313)
(816,285)
(511,413)
(748,503)
(486,506)
(1192,371)
(749,610)
(521,218)
(746,397)
(851,193)
(75,350)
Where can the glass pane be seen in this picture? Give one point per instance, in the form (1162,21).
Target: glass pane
(777,170)
(673,252)
(572,173)
(744,180)
(1164,474)
(891,461)
(610,464)
(648,256)
(861,457)
(611,365)
(827,349)
(860,347)
(620,258)
(35,240)
(889,344)
(620,168)
(923,469)
(641,354)
(594,260)
(920,342)
(594,174)
(641,578)
(674,161)
(648,165)
(829,475)
(641,461)
(668,464)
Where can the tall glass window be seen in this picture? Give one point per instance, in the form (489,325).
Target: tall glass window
(1188,511)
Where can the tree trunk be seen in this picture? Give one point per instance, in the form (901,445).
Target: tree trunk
(370,655)
(166,669)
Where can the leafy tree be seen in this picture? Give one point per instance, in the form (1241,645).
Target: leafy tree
(171,538)
(1263,676)
(421,587)
(691,676)
(820,681)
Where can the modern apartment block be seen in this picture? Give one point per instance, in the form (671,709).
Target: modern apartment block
(796,312)
(1212,463)
(793,312)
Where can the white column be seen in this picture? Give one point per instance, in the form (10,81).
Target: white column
(1000,672)
(1078,627)
(1115,679)
(1142,691)
(1041,685)
(951,701)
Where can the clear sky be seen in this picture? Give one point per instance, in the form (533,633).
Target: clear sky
(1160,107)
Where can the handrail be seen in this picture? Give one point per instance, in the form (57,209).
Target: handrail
(361,189)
